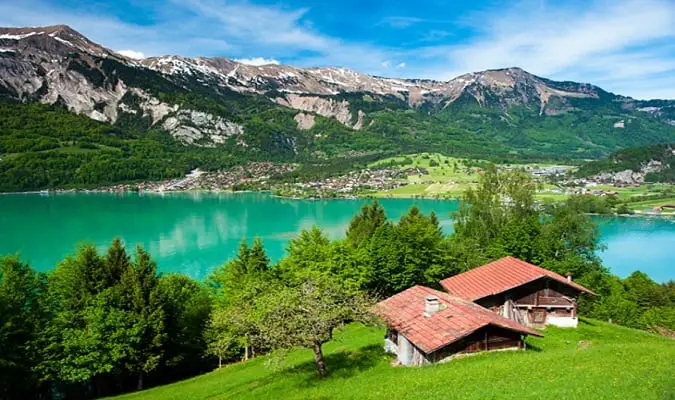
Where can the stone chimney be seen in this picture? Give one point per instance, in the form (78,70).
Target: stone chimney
(431,305)
(569,277)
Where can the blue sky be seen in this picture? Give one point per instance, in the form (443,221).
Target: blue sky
(625,46)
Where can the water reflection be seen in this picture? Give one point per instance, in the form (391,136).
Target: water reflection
(185,232)
(193,232)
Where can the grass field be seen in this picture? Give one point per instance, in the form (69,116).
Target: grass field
(594,361)
(449,177)
(648,205)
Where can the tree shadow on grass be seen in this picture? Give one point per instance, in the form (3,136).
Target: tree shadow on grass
(586,322)
(343,364)
(532,347)
(340,364)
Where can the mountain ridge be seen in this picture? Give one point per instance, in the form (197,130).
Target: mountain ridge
(280,112)
(322,81)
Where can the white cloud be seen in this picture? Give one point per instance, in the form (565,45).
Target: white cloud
(388,64)
(623,45)
(612,43)
(257,61)
(400,22)
(132,54)
(283,33)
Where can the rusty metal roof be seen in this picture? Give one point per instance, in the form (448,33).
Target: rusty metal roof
(456,319)
(500,276)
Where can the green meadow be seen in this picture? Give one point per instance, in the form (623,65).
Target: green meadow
(595,361)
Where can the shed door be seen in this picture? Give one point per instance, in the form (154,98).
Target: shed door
(539,315)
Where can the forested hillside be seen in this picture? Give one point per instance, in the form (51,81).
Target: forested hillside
(44,146)
(660,157)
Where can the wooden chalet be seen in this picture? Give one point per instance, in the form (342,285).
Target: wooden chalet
(520,291)
(426,326)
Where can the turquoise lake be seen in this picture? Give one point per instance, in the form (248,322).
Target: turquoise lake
(194,232)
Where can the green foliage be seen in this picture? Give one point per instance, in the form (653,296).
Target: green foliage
(500,218)
(45,147)
(592,204)
(569,132)
(187,306)
(411,252)
(363,225)
(231,330)
(94,321)
(21,319)
(377,256)
(635,301)
(307,314)
(141,298)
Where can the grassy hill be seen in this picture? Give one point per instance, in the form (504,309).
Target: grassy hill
(595,361)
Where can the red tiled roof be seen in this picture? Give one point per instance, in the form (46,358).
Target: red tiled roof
(500,276)
(405,313)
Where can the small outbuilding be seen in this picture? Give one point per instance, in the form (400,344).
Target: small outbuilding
(427,326)
(520,291)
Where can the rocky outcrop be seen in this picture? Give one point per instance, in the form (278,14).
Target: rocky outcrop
(327,107)
(305,121)
(151,106)
(628,176)
(196,127)
(81,97)
(189,126)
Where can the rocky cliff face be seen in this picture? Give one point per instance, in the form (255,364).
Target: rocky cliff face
(58,65)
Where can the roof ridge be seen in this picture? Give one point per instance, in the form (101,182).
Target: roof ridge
(499,276)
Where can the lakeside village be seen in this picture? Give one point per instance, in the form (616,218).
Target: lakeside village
(386,180)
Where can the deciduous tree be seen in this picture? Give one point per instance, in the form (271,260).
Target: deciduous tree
(307,315)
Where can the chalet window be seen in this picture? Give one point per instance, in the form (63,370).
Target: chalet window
(546,294)
(539,316)
(392,335)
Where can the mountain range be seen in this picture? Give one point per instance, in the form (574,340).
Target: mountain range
(283,112)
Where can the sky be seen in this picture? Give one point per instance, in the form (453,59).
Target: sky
(624,46)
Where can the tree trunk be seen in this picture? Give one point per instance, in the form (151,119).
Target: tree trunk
(245,353)
(96,386)
(220,362)
(139,386)
(318,359)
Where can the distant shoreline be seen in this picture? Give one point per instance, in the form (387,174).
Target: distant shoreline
(637,214)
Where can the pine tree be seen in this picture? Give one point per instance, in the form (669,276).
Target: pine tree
(363,225)
(143,301)
(117,261)
(257,262)
(237,268)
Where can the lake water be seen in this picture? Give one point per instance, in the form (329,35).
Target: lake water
(193,232)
